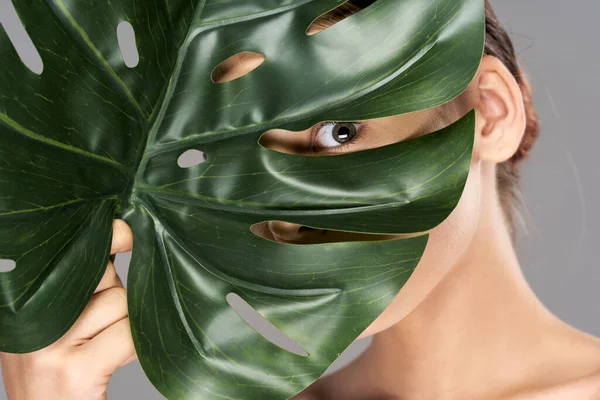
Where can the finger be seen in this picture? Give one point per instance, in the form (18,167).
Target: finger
(111,349)
(109,279)
(103,310)
(122,239)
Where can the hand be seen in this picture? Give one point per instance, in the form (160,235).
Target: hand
(79,365)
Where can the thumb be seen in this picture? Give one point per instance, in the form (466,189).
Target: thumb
(122,239)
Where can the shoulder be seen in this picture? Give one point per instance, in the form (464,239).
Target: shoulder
(585,388)
(571,370)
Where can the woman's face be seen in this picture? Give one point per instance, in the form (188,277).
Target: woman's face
(447,241)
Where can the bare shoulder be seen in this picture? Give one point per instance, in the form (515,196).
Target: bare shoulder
(577,363)
(585,388)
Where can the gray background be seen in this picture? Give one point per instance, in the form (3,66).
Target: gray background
(556,246)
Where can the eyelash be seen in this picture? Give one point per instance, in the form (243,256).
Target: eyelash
(342,146)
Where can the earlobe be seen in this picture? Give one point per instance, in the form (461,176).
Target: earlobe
(501,111)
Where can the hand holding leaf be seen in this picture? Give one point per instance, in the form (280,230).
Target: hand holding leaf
(90,140)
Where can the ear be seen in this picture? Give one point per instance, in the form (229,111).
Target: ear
(500,110)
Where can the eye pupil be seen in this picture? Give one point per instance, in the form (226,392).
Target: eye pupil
(344,133)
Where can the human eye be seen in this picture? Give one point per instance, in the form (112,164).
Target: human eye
(335,136)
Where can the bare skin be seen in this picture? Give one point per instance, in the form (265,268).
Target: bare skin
(79,365)
(465,326)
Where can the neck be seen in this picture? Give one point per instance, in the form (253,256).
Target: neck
(477,330)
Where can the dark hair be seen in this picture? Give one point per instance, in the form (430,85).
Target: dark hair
(497,44)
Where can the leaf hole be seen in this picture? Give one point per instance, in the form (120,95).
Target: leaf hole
(7,265)
(262,326)
(191,158)
(341,12)
(20,39)
(296,234)
(127,44)
(121,262)
(296,142)
(237,66)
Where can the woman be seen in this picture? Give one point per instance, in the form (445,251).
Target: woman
(465,326)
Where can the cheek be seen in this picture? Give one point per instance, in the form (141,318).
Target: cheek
(447,243)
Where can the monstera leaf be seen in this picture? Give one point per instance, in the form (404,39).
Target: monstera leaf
(90,139)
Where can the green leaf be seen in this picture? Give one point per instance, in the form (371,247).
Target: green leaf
(90,140)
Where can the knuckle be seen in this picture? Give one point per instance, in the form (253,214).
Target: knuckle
(116,296)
